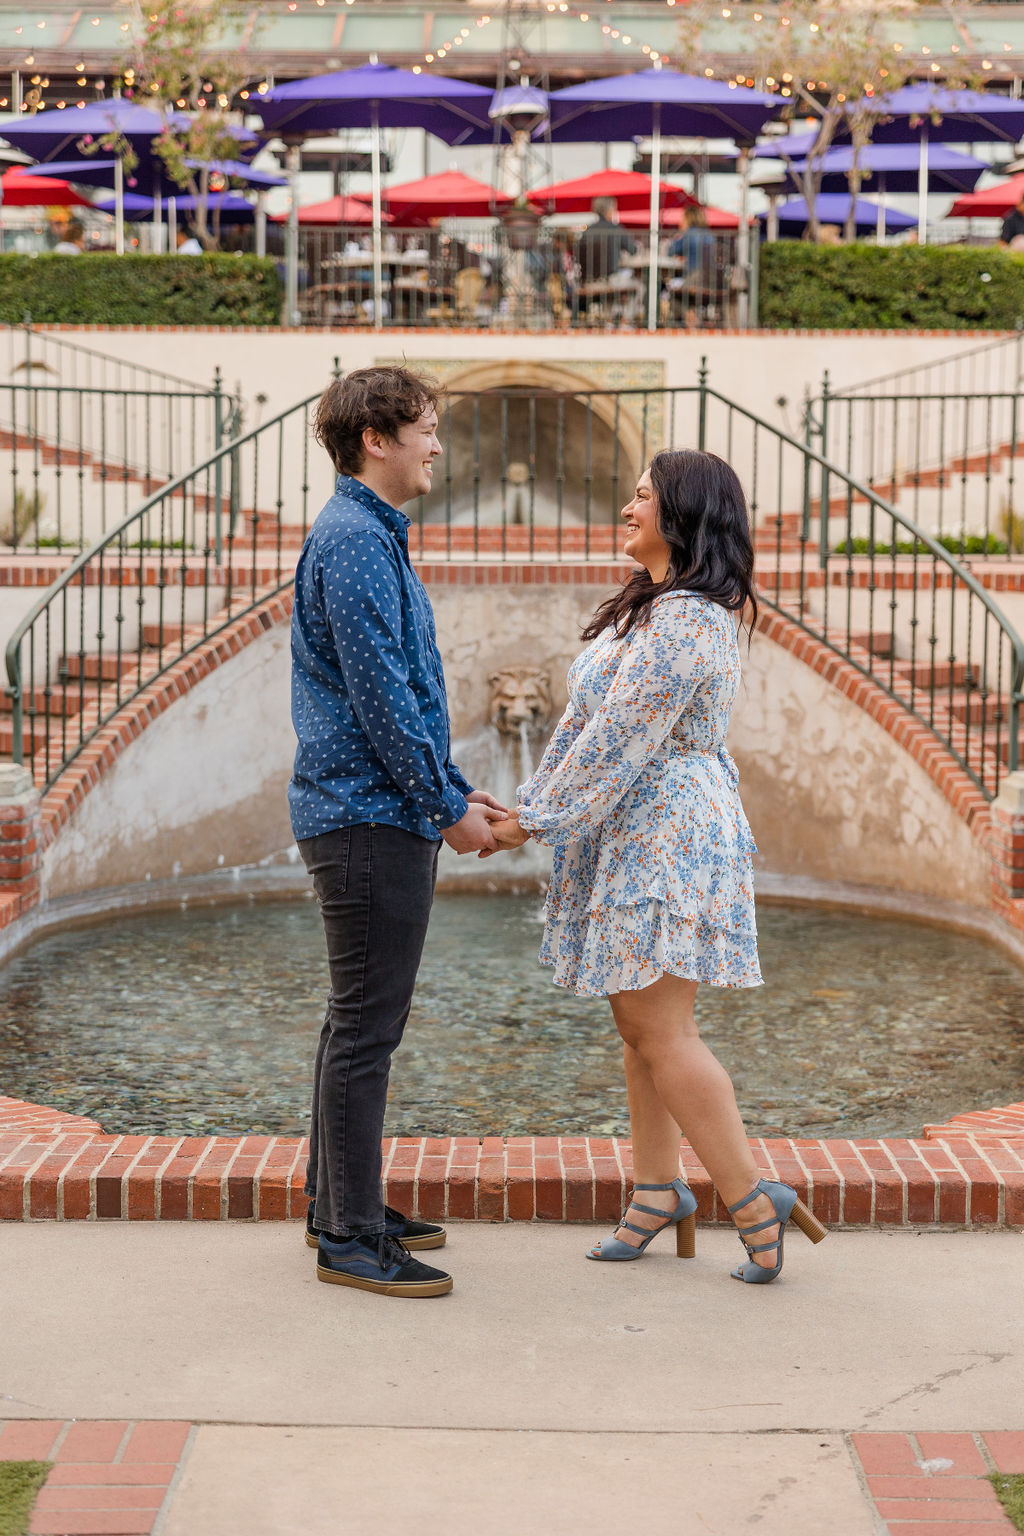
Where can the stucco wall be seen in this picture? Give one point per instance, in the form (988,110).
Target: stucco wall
(829,794)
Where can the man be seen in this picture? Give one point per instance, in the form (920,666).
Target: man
(1012,232)
(373,793)
(603,243)
(188,245)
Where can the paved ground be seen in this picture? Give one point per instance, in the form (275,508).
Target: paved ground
(544,1395)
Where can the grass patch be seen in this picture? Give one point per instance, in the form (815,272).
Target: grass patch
(20,1481)
(1011,1495)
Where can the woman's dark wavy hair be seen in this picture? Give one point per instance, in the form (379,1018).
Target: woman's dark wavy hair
(703,518)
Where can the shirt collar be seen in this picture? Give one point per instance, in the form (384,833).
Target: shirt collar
(394,521)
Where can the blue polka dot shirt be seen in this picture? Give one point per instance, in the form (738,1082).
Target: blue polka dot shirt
(368,697)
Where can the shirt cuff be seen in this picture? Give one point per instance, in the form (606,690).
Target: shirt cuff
(454,806)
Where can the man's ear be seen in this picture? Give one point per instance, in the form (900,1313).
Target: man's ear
(372,443)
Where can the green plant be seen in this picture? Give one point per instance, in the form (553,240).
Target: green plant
(1012,524)
(903,287)
(101,289)
(20,1481)
(1011,1495)
(973,544)
(27,507)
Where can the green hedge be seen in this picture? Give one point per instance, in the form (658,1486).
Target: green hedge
(100,289)
(901,287)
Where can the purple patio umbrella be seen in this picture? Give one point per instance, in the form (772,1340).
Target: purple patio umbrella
(924,114)
(833,208)
(101,173)
(232,207)
(373,96)
(656,101)
(891,168)
(57,135)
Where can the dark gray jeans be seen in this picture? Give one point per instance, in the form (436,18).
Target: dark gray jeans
(375,885)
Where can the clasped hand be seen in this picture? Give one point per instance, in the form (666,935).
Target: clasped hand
(487,827)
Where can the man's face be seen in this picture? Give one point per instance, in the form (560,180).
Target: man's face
(409,459)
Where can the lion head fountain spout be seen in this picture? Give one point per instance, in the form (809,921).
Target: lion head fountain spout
(520,700)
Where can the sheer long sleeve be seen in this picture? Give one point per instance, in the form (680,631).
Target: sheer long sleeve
(585,772)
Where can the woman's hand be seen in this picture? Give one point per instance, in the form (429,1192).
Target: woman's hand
(507,835)
(481,797)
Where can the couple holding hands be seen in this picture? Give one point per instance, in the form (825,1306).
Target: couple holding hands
(651,888)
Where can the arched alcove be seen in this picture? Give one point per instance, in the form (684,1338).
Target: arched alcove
(533,443)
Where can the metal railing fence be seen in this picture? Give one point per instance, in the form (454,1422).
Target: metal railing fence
(949,460)
(991,366)
(57,360)
(74,460)
(474,278)
(531,476)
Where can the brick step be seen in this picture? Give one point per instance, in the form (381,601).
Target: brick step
(156,636)
(877,641)
(92,667)
(34,736)
(53,700)
(941,675)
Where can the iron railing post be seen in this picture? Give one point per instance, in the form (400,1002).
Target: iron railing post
(17,704)
(826,487)
(218,468)
(702,404)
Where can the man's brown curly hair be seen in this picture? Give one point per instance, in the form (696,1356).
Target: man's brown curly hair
(385,399)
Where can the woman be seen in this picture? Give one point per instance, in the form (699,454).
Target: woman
(651,888)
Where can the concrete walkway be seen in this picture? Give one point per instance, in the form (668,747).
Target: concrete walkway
(542,1396)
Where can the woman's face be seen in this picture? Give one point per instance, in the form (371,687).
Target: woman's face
(644,542)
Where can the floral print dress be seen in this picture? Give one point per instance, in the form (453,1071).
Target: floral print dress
(637,794)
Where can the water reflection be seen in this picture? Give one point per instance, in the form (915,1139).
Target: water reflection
(205,1021)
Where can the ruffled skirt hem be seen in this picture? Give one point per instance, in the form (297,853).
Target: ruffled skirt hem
(624,948)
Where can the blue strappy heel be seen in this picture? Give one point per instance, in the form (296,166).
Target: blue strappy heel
(683,1218)
(787,1206)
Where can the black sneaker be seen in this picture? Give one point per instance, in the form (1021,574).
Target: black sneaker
(378,1264)
(411,1234)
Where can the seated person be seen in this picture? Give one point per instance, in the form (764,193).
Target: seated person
(602,244)
(1012,232)
(696,245)
(694,241)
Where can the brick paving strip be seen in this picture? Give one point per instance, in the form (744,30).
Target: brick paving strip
(937,1484)
(60,1167)
(108,1478)
(117,1478)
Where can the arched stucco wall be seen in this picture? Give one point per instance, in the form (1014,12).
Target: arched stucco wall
(830,794)
(202,787)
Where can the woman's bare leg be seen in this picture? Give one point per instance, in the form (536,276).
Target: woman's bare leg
(655,1145)
(691,1089)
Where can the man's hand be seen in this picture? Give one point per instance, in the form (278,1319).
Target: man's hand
(481,797)
(472,833)
(505,835)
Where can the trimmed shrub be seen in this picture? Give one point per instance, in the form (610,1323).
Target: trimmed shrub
(901,287)
(96,288)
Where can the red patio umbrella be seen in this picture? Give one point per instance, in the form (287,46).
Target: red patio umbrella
(992,203)
(630,189)
(449,194)
(336,210)
(21,190)
(714,218)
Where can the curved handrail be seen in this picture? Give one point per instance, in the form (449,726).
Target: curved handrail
(983,671)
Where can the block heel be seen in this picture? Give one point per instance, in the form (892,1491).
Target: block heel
(686,1237)
(808,1223)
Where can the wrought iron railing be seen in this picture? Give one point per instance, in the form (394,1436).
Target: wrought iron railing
(74,460)
(58,360)
(994,365)
(948,459)
(473,278)
(528,476)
